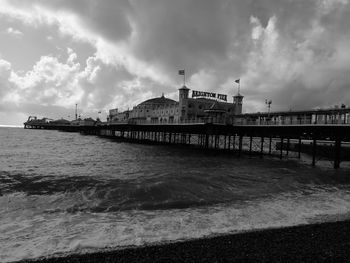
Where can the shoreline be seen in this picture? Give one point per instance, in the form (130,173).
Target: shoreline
(308,243)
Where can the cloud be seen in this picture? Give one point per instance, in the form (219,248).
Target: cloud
(305,72)
(5,75)
(50,82)
(54,87)
(14,32)
(293,52)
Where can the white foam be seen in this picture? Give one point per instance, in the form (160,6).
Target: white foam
(30,233)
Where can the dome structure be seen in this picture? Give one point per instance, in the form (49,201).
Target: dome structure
(157,101)
(156,109)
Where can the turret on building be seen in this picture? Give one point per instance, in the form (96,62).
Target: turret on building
(238,101)
(183,102)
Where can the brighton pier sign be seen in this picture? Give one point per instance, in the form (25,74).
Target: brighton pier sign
(212,95)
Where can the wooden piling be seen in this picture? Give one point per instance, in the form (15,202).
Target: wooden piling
(314,144)
(281,150)
(250,145)
(337,151)
(240,145)
(234,143)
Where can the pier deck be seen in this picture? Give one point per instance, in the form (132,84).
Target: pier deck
(280,140)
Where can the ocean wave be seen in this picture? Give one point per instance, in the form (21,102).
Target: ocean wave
(63,232)
(158,191)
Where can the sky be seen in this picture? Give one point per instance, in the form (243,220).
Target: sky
(108,54)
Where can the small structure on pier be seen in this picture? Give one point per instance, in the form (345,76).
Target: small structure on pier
(34,123)
(216,114)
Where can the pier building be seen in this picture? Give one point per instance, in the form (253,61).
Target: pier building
(336,115)
(201,107)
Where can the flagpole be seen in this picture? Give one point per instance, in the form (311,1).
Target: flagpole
(184,78)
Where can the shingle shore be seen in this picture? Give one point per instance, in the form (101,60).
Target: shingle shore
(307,243)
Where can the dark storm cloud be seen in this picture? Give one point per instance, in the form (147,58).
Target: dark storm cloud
(301,45)
(182,32)
(293,52)
(194,34)
(108,18)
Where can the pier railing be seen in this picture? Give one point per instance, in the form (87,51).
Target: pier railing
(288,122)
(235,121)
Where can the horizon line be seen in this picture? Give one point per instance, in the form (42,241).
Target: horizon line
(10,126)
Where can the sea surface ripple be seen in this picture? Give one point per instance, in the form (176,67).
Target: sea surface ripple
(68,193)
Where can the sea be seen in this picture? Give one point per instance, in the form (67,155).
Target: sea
(65,193)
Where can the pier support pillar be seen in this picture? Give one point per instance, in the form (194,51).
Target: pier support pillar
(314,144)
(262,147)
(207,141)
(240,145)
(281,148)
(337,149)
(250,145)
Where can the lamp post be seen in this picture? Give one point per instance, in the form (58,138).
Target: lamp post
(268,103)
(76,111)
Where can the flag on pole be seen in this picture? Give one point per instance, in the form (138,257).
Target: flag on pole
(239,85)
(181,72)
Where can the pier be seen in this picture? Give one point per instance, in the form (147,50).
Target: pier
(208,121)
(327,141)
